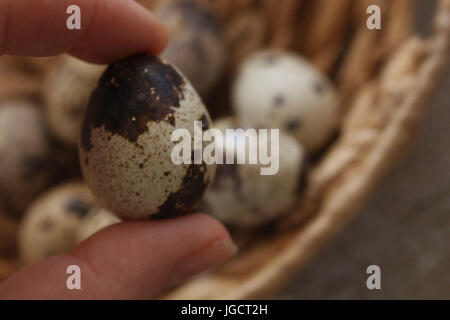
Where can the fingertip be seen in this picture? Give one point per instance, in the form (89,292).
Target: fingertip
(163,38)
(164,252)
(149,35)
(208,222)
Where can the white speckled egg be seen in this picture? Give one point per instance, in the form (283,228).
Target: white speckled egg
(66,93)
(26,167)
(126,146)
(282,90)
(51,223)
(196,45)
(96,220)
(241,196)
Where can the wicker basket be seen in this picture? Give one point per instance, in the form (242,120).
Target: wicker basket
(385,78)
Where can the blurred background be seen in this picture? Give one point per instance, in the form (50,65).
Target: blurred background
(404,228)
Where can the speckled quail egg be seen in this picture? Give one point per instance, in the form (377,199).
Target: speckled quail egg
(125,150)
(51,223)
(66,93)
(282,90)
(26,166)
(241,196)
(196,45)
(97,219)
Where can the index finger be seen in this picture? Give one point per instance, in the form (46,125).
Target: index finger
(109,29)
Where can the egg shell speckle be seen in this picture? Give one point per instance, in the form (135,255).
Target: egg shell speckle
(97,219)
(196,45)
(126,146)
(241,196)
(277,89)
(66,93)
(26,166)
(51,223)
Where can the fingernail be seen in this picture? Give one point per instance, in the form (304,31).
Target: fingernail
(203,259)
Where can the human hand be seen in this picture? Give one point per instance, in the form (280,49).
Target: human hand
(130,260)
(109,29)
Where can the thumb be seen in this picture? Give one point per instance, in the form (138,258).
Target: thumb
(131,260)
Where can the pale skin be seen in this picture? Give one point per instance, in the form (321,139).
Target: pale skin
(131,260)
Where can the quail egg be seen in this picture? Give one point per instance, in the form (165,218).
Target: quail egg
(240,195)
(26,167)
(66,93)
(51,223)
(126,147)
(282,90)
(96,220)
(196,44)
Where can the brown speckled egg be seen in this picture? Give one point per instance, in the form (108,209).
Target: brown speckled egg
(96,220)
(196,45)
(126,146)
(66,93)
(241,196)
(51,223)
(26,167)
